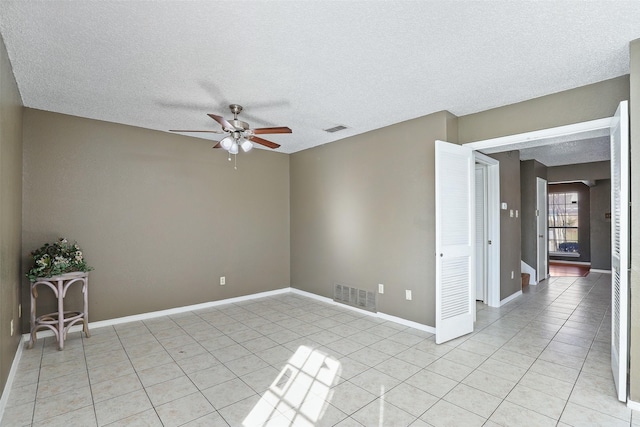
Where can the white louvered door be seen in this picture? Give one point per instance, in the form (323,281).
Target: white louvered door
(455,240)
(620,248)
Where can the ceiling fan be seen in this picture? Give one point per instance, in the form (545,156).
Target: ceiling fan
(239,134)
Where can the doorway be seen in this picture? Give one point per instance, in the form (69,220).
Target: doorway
(584,131)
(487,192)
(616,129)
(542,230)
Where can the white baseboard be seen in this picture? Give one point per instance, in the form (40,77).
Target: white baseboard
(596,270)
(633,405)
(160,313)
(510,298)
(405,322)
(12,374)
(526,268)
(154,314)
(378,314)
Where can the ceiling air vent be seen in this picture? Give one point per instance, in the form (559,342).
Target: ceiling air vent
(335,129)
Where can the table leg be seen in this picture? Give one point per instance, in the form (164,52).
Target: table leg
(61,334)
(33,338)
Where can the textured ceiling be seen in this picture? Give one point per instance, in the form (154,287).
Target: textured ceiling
(569,153)
(309,65)
(587,146)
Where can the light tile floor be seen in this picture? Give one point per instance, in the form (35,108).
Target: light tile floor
(542,359)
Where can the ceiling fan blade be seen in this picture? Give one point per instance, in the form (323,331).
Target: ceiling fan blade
(280,129)
(223,122)
(217,145)
(205,131)
(264,142)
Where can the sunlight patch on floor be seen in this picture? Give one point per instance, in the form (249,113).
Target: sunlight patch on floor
(300,393)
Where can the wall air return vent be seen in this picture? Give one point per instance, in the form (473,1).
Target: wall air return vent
(355,297)
(335,129)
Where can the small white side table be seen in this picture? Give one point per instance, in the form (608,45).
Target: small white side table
(61,321)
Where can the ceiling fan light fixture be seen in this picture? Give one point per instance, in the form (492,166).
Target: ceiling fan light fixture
(246,145)
(227,143)
(239,134)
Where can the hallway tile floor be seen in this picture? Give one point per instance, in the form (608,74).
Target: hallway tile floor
(540,360)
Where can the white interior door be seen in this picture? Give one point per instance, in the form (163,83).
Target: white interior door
(543,229)
(481,232)
(455,241)
(620,248)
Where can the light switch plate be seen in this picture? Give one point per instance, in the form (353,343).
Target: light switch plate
(503,206)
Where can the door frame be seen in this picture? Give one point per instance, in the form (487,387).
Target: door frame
(544,245)
(492,263)
(590,129)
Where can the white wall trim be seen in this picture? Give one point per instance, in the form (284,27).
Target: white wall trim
(493,226)
(160,313)
(526,268)
(187,308)
(596,270)
(598,126)
(321,298)
(510,298)
(377,314)
(633,405)
(405,322)
(12,374)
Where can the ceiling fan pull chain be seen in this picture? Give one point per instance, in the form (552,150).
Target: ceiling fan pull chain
(235,161)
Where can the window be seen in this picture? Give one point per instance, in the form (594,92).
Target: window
(563,224)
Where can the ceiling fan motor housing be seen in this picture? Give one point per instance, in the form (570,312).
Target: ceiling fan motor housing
(239,125)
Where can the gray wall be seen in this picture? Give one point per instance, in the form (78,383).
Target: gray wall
(580,171)
(595,101)
(529,171)
(362,213)
(600,197)
(159,216)
(584,227)
(509,226)
(10,213)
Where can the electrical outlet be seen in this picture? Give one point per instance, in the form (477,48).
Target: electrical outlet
(380,288)
(516,213)
(223,280)
(11,325)
(511,213)
(512,274)
(408,294)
